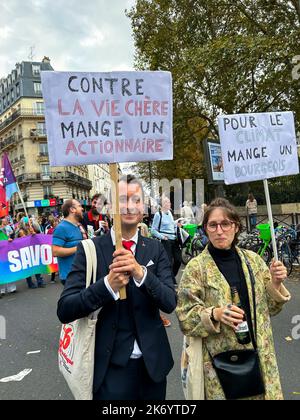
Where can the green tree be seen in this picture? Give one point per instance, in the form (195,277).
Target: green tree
(226,56)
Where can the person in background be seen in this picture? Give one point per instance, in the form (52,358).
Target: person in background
(200,214)
(143,228)
(94,220)
(10,233)
(7,229)
(251,208)
(66,237)
(187,213)
(53,222)
(164,228)
(30,226)
(18,218)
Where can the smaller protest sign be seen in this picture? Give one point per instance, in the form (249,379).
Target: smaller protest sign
(258,146)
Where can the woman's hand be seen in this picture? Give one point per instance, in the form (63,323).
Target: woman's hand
(229,315)
(278,273)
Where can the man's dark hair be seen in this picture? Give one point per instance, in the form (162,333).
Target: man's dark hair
(66,207)
(98,195)
(131,179)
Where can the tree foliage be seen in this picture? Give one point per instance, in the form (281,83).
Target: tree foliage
(226,56)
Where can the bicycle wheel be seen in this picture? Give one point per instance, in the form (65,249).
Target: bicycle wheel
(267,255)
(186,254)
(258,247)
(197,246)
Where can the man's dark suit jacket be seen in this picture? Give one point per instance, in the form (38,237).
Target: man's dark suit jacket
(157,293)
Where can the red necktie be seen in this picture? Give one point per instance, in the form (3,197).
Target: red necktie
(128,244)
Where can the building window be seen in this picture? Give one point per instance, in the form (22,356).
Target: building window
(36,69)
(41,128)
(37,86)
(45,169)
(12,95)
(45,173)
(44,149)
(38,108)
(18,89)
(19,131)
(47,189)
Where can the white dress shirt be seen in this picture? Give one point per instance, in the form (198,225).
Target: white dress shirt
(136,354)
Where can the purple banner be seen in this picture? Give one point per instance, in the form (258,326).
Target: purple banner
(25,257)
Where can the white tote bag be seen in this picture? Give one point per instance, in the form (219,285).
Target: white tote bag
(77,340)
(192,376)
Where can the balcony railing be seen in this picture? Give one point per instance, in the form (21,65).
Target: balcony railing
(38,132)
(43,157)
(9,141)
(24,112)
(55,176)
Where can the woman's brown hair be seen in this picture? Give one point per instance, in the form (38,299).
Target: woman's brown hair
(228,209)
(251,197)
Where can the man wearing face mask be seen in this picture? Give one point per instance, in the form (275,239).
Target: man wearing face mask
(94,218)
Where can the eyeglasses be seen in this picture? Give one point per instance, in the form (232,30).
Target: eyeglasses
(226,225)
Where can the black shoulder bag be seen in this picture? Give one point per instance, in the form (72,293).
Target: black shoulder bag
(239,370)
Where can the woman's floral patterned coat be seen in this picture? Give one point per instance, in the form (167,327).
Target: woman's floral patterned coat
(203,287)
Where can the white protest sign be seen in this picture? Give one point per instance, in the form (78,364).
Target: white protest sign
(108,117)
(258,146)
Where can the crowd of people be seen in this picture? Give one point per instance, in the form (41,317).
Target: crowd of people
(132,352)
(223,301)
(94,222)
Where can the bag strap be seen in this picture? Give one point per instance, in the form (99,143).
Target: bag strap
(159,226)
(252,278)
(91,261)
(93,253)
(91,269)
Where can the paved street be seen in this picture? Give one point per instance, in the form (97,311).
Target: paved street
(32,325)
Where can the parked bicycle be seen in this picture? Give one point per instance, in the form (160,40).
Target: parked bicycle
(195,244)
(260,241)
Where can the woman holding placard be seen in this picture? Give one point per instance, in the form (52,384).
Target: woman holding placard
(225,298)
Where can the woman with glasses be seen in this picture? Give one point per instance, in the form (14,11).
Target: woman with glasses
(206,308)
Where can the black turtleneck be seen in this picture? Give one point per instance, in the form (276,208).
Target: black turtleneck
(230,265)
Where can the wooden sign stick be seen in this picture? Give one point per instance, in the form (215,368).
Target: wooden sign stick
(113,169)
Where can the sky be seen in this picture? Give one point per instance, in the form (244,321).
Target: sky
(77,35)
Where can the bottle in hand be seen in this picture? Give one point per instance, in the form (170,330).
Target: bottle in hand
(242,332)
